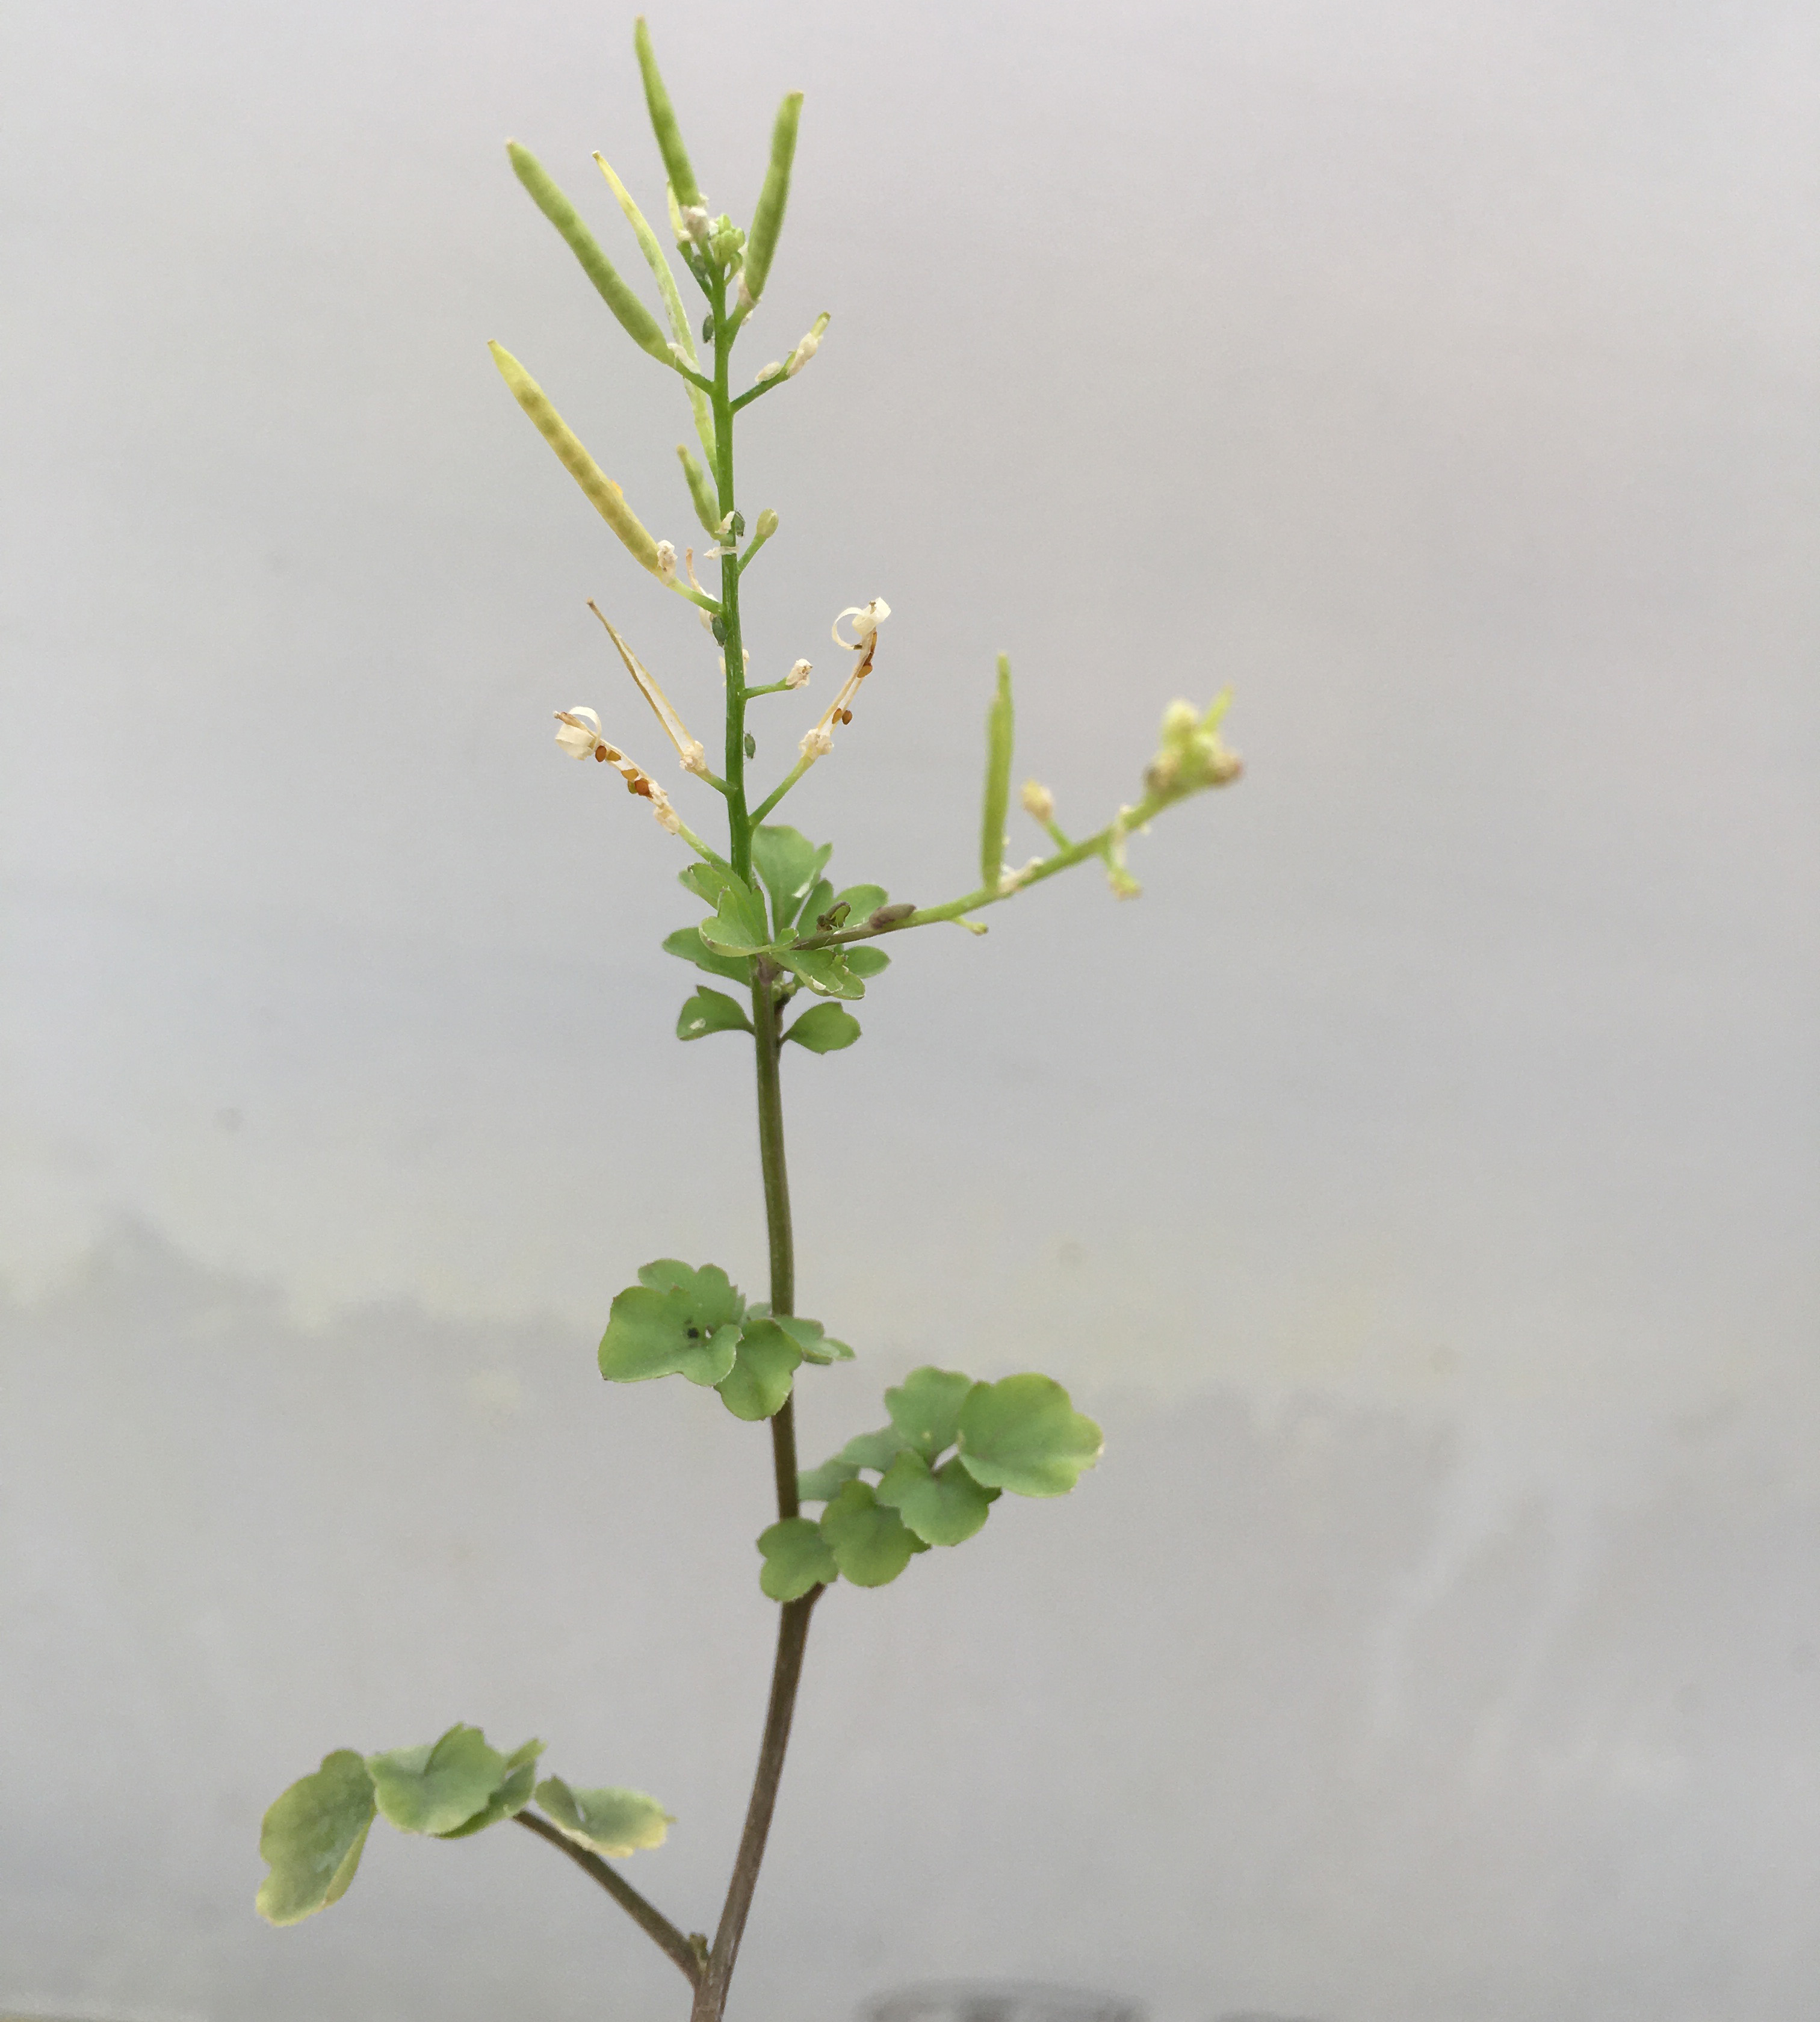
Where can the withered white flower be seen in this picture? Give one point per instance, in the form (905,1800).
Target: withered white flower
(818,744)
(580,732)
(798,675)
(695,220)
(867,619)
(666,559)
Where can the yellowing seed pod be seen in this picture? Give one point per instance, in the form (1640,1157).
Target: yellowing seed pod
(603,493)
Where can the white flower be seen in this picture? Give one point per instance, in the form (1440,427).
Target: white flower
(1038,800)
(580,732)
(817,742)
(867,619)
(666,559)
(798,675)
(767,371)
(695,220)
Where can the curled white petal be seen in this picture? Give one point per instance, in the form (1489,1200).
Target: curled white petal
(867,619)
(580,731)
(798,675)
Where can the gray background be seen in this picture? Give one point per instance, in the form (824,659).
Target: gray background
(1418,1180)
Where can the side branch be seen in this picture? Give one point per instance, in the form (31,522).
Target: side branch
(786,1673)
(653,1921)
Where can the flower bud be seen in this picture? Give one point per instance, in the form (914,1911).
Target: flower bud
(767,524)
(807,347)
(1038,802)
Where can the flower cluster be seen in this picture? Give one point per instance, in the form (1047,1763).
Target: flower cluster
(1190,755)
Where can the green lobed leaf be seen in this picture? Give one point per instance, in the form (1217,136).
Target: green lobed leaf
(817,1344)
(796,1558)
(675,1321)
(864,960)
(687,945)
(706,881)
(613,1822)
(710,1011)
(825,1028)
(874,1449)
(824,970)
(512,1796)
(945,1507)
(925,1409)
(1023,1435)
(764,1369)
(817,1484)
(439,1785)
(789,864)
(870,1545)
(311,1838)
(738,926)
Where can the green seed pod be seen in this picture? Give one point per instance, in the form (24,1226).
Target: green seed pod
(998,779)
(768,219)
(604,495)
(663,120)
(635,319)
(706,506)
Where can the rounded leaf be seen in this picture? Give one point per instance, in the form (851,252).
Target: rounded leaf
(764,1367)
(825,1028)
(946,1507)
(609,1822)
(874,1450)
(712,1011)
(439,1785)
(678,1321)
(312,1838)
(817,1484)
(1023,1435)
(789,866)
(796,1558)
(926,1408)
(869,1543)
(512,1796)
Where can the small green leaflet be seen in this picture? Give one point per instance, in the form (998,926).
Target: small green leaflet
(738,926)
(796,1558)
(817,1484)
(789,865)
(823,969)
(863,959)
(687,945)
(616,1823)
(874,1450)
(764,1368)
(675,1321)
(312,1838)
(438,1787)
(1023,1435)
(926,1408)
(824,1028)
(870,1545)
(706,881)
(945,1508)
(714,1011)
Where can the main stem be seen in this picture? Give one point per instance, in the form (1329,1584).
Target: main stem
(710,1995)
